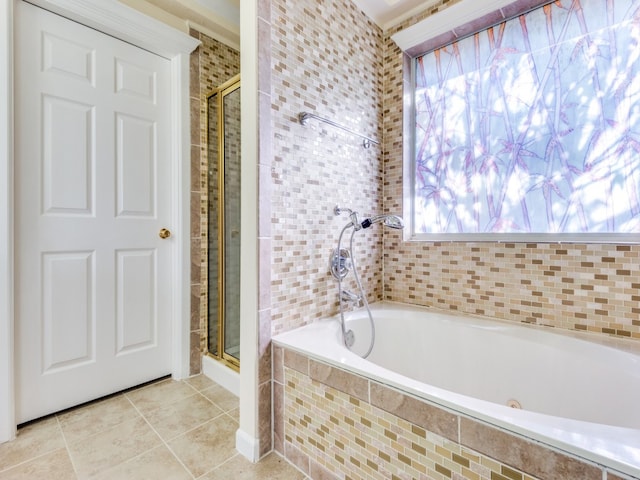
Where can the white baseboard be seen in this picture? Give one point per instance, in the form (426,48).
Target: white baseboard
(222,375)
(248,446)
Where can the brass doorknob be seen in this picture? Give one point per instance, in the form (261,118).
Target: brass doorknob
(164,233)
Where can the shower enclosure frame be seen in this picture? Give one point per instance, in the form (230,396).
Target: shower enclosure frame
(221,355)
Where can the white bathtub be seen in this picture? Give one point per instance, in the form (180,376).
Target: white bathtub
(578,392)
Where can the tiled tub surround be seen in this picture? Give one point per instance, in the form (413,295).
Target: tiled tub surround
(340,424)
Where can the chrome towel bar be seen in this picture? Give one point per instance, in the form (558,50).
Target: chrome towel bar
(304,117)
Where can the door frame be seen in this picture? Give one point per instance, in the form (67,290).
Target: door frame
(122,22)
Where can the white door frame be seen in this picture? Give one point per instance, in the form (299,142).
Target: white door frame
(125,23)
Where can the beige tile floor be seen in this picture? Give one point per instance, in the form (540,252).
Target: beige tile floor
(164,430)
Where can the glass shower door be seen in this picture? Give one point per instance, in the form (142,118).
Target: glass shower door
(224,223)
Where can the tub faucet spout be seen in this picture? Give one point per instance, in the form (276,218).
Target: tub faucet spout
(350,297)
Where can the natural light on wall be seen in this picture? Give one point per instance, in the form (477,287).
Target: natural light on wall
(532,127)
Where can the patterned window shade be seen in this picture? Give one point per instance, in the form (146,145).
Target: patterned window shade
(532,125)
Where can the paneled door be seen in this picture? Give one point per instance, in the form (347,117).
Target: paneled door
(93,210)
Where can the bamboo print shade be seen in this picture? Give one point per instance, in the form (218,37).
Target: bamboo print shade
(533,125)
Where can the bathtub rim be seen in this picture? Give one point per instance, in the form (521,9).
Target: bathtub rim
(605,448)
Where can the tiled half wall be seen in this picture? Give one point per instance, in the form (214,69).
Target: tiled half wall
(337,425)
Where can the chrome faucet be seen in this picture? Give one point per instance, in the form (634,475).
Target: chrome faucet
(350,297)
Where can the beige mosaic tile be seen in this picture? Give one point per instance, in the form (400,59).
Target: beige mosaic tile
(326,59)
(351,438)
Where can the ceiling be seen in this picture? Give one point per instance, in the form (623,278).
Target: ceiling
(387,13)
(221,18)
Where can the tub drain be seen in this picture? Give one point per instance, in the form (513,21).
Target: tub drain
(514,404)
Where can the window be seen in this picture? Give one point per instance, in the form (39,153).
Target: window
(530,129)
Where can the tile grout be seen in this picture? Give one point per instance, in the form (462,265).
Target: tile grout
(66,446)
(165,443)
(108,418)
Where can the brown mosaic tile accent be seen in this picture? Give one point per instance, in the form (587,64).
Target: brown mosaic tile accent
(211,64)
(329,431)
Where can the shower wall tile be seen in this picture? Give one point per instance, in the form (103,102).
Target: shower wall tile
(211,64)
(264,55)
(265,370)
(264,205)
(268,400)
(264,9)
(326,58)
(264,274)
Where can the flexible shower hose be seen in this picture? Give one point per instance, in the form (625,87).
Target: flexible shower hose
(363,295)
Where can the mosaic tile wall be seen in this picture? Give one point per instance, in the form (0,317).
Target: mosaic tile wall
(322,65)
(593,287)
(337,425)
(212,64)
(326,58)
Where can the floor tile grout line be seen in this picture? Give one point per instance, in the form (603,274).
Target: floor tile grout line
(48,452)
(113,427)
(30,459)
(164,442)
(189,431)
(66,446)
(66,442)
(223,412)
(220,464)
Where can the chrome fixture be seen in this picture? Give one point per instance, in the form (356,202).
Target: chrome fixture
(303,118)
(342,261)
(391,221)
(350,297)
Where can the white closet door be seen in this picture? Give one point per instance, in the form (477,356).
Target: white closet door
(92,192)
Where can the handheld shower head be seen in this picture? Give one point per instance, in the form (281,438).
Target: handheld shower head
(391,221)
